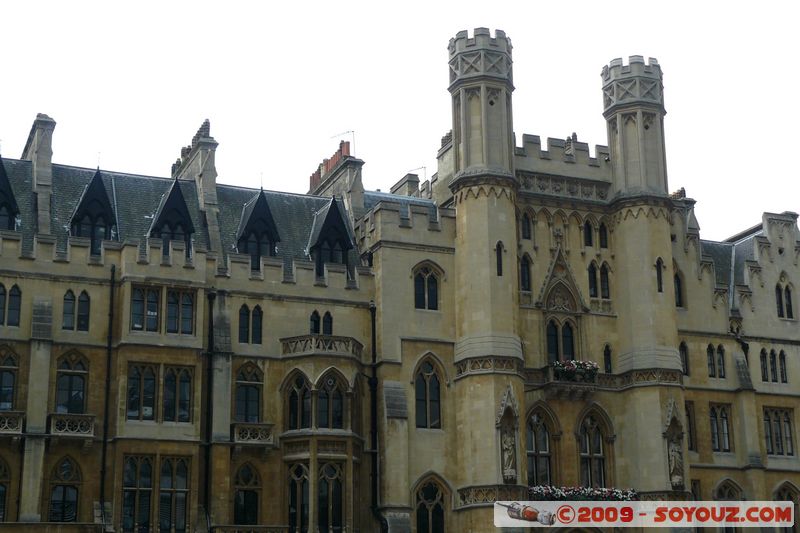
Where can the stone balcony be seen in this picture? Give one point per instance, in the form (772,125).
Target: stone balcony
(252,433)
(321,345)
(11,422)
(563,387)
(72,425)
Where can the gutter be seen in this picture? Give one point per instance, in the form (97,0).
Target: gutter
(104,453)
(373,419)
(207,416)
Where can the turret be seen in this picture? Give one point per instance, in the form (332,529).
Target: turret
(633,105)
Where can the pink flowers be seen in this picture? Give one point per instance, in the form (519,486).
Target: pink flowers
(547,492)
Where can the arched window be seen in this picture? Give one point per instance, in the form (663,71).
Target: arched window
(299,404)
(14,306)
(567,342)
(141,392)
(560,341)
(83,311)
(683,350)
(96,229)
(71,384)
(498,250)
(330,404)
(605,291)
(538,450)
(257,324)
(430,508)
(552,342)
(727,491)
(525,226)
(315,323)
(68,316)
(788,493)
(720,361)
(659,275)
(330,502)
(64,492)
(782,361)
(588,232)
(137,491)
(244,324)
(720,429)
(773,365)
(779,300)
(525,273)
(678,291)
(593,459)
(426,288)
(327,324)
(427,392)
(764,368)
(298,498)
(249,381)
(246,496)
(173,504)
(177,394)
(592,281)
(257,244)
(603,236)
(607,359)
(712,365)
(788,302)
(8,381)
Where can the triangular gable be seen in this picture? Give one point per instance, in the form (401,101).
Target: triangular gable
(560,291)
(331,226)
(256,216)
(94,202)
(172,210)
(6,192)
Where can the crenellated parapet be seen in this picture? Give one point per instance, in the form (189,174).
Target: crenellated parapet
(566,158)
(480,56)
(637,83)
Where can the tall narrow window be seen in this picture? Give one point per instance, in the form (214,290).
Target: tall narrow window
(678,291)
(177,394)
(567,341)
(538,451)
(249,381)
(592,281)
(71,384)
(691,430)
(525,224)
(180,312)
(778,431)
(299,404)
(173,497)
(64,492)
(764,368)
(137,493)
(607,359)
(83,311)
(788,302)
(327,324)
(427,394)
(315,322)
(588,232)
(298,499)
(141,392)
(720,361)
(330,501)
(603,235)
(684,353)
(426,289)
(779,300)
(145,309)
(68,316)
(5,478)
(773,365)
(592,454)
(720,428)
(714,429)
(330,404)
(768,432)
(712,365)
(552,342)
(659,275)
(525,274)
(498,250)
(246,496)
(258,317)
(2,304)
(782,362)
(605,291)
(14,306)
(8,381)
(430,509)
(244,324)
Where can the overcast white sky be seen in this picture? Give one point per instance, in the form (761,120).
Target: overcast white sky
(279,80)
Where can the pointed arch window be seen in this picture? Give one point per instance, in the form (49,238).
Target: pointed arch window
(659,275)
(145,309)
(426,288)
(788,302)
(605,291)
(779,300)
(720,428)
(783,300)
(678,291)
(588,234)
(177,394)
(592,453)
(773,365)
(71,379)
(538,451)
(430,508)
(427,393)
(180,312)
(498,251)
(603,235)
(314,323)
(2,304)
(327,324)
(244,324)
(247,487)
(258,317)
(552,342)
(607,359)
(299,404)
(525,224)
(257,244)
(173,497)
(727,491)
(712,364)
(68,315)
(247,407)
(137,494)
(683,351)
(720,361)
(560,341)
(298,498)
(787,493)
(12,311)
(8,381)
(592,281)
(330,404)
(64,484)
(141,392)
(330,500)
(782,364)
(764,367)
(568,341)
(525,274)
(69,312)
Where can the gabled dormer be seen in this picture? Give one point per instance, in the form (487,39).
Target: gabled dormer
(94,217)
(172,221)
(9,210)
(330,238)
(257,234)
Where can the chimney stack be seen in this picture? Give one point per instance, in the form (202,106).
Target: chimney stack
(39,150)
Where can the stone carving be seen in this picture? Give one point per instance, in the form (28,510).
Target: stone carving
(509,402)
(674,435)
(487,365)
(509,453)
(560,300)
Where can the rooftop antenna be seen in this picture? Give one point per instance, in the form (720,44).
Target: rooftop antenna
(424,172)
(352,134)
(98,160)
(262,181)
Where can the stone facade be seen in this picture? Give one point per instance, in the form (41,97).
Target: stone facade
(182,355)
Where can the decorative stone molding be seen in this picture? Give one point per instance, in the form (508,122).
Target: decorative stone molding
(488,365)
(508,401)
(252,433)
(321,344)
(486,495)
(563,187)
(11,422)
(72,425)
(542,378)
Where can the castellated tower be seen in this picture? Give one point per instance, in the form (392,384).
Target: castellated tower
(484,189)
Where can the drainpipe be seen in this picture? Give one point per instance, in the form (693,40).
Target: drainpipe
(207,416)
(373,418)
(106,405)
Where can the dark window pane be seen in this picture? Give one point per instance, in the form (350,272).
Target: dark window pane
(433,388)
(184,396)
(169,395)
(14,306)
(305,415)
(134,399)
(779,300)
(257,318)
(172,312)
(293,414)
(433,292)
(568,342)
(421,394)
(149,394)
(419,291)
(68,320)
(552,342)
(7,379)
(83,312)
(314,323)
(499,253)
(322,409)
(327,324)
(788,302)
(187,313)
(592,281)
(337,410)
(244,324)
(137,310)
(152,310)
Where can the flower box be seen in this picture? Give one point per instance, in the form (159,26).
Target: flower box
(549,493)
(575,370)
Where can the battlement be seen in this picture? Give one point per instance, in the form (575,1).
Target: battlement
(636,66)
(482,38)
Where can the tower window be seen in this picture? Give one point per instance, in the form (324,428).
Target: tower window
(588,234)
(525,274)
(427,397)
(498,250)
(426,288)
(603,236)
(592,454)
(607,359)
(592,281)
(560,341)
(659,274)
(430,509)
(684,354)
(525,226)
(605,291)
(783,301)
(678,291)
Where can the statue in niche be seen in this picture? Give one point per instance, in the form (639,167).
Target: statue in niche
(675,455)
(508,449)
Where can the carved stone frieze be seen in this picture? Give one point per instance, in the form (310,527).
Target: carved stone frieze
(486,495)
(563,187)
(488,365)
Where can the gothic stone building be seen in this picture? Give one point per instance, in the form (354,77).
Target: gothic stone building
(178,354)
